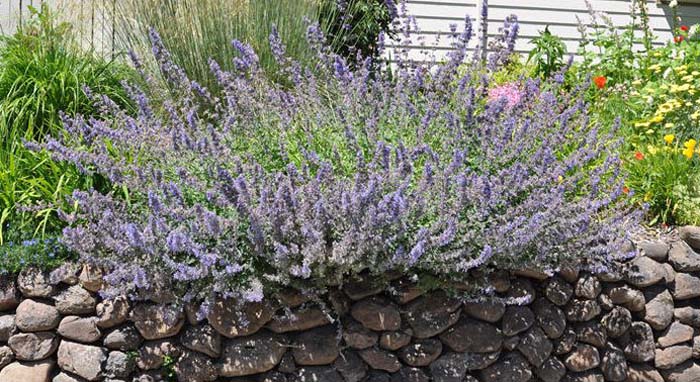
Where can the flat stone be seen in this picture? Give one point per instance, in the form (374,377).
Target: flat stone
(252,354)
(672,356)
(32,316)
(510,368)
(687,372)
(644,272)
(6,356)
(535,346)
(617,321)
(195,367)
(9,296)
(614,365)
(583,357)
(675,334)
(558,291)
(351,366)
(639,341)
(359,337)
(591,333)
(75,301)
(111,313)
(157,321)
(121,365)
(232,320)
(657,250)
(473,336)
(203,339)
(152,354)
(432,314)
(27,371)
(691,235)
(33,346)
(628,297)
(379,359)
(299,320)
(588,287)
(316,347)
(659,308)
(582,310)
(83,360)
(641,372)
(683,258)
(550,318)
(363,287)
(421,353)
(7,327)
(79,329)
(489,310)
(125,339)
(686,287)
(532,273)
(33,282)
(394,340)
(377,314)
(688,316)
(517,319)
(551,370)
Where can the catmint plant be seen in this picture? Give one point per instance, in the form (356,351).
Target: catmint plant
(347,169)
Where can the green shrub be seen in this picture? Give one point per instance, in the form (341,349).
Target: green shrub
(42,73)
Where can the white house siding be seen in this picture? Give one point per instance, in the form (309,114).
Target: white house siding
(433,18)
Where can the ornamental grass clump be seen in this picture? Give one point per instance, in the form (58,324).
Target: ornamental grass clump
(347,171)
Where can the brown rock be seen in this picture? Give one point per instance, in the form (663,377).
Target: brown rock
(32,316)
(316,347)
(33,346)
(686,286)
(27,371)
(473,336)
(351,367)
(83,360)
(558,291)
(79,329)
(657,250)
(675,334)
(157,321)
(535,346)
(7,327)
(659,308)
(644,272)
(111,313)
(565,343)
(380,359)
(74,301)
(672,356)
(588,287)
(152,354)
(688,316)
(195,367)
(298,320)
(614,365)
(683,258)
(377,314)
(617,321)
(432,314)
(582,310)
(9,297)
(421,353)
(549,317)
(510,368)
(641,372)
(203,339)
(359,337)
(33,282)
(232,320)
(6,356)
(489,310)
(691,235)
(583,357)
(628,297)
(517,319)
(252,354)
(394,340)
(639,343)
(91,278)
(552,370)
(125,338)
(687,372)
(591,333)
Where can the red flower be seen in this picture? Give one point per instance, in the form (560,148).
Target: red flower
(625,189)
(684,28)
(600,81)
(638,155)
(678,39)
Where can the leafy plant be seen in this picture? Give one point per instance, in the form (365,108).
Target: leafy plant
(547,55)
(42,74)
(344,171)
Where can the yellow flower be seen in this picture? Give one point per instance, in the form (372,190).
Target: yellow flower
(637,82)
(652,149)
(689,148)
(668,138)
(669,125)
(695,115)
(561,178)
(647,196)
(642,124)
(657,118)
(687,78)
(695,72)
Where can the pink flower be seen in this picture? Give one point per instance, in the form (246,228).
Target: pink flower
(509,91)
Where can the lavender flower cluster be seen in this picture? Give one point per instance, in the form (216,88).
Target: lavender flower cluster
(347,169)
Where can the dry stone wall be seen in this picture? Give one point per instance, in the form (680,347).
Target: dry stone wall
(636,325)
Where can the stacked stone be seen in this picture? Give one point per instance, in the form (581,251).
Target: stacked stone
(638,324)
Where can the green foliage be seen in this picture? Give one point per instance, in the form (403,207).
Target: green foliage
(687,207)
(547,56)
(194,30)
(42,73)
(46,253)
